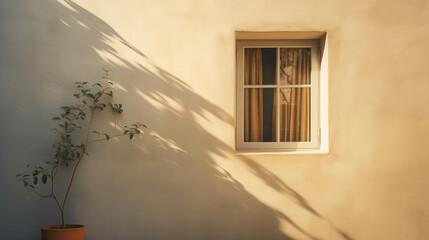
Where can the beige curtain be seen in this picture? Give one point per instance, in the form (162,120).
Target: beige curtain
(295,102)
(253,107)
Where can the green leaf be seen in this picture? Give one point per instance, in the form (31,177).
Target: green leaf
(116,108)
(131,136)
(44,178)
(35,180)
(107,137)
(56,118)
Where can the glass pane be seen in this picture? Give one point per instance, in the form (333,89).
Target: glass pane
(259,115)
(295,119)
(260,66)
(295,66)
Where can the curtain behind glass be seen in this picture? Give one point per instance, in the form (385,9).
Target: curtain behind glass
(253,99)
(295,68)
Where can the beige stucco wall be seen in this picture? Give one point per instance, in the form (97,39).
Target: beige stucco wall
(174,65)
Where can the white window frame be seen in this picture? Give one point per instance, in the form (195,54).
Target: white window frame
(315,97)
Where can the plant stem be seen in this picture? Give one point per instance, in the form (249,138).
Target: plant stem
(57,200)
(53,189)
(75,167)
(103,139)
(54,174)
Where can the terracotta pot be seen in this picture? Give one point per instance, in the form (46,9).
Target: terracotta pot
(55,232)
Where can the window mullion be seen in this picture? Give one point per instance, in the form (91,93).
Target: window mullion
(260,86)
(278,96)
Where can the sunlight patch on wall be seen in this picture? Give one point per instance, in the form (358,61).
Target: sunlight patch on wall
(290,230)
(171,103)
(124,54)
(166,143)
(149,99)
(143,148)
(110,57)
(215,126)
(293,219)
(65,23)
(116,126)
(81,23)
(160,101)
(305,224)
(227,176)
(66,5)
(119,86)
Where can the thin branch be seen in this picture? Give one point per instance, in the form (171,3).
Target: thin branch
(102,139)
(53,190)
(53,174)
(78,162)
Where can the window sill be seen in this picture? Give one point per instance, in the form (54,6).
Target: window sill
(283,152)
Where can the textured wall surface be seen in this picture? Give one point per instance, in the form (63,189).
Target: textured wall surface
(174,66)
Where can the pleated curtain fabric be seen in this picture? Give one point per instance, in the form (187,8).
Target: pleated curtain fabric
(253,99)
(295,69)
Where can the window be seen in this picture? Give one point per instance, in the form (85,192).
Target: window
(278,98)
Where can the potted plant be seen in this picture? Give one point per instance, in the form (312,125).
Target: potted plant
(91,100)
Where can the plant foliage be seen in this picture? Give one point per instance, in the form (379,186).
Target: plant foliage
(91,99)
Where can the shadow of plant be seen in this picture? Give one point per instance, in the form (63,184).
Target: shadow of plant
(169,185)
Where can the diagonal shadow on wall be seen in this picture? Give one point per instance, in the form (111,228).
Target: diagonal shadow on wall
(169,185)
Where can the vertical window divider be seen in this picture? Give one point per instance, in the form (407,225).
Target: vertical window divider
(278,95)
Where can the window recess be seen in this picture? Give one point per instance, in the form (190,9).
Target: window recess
(278,95)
